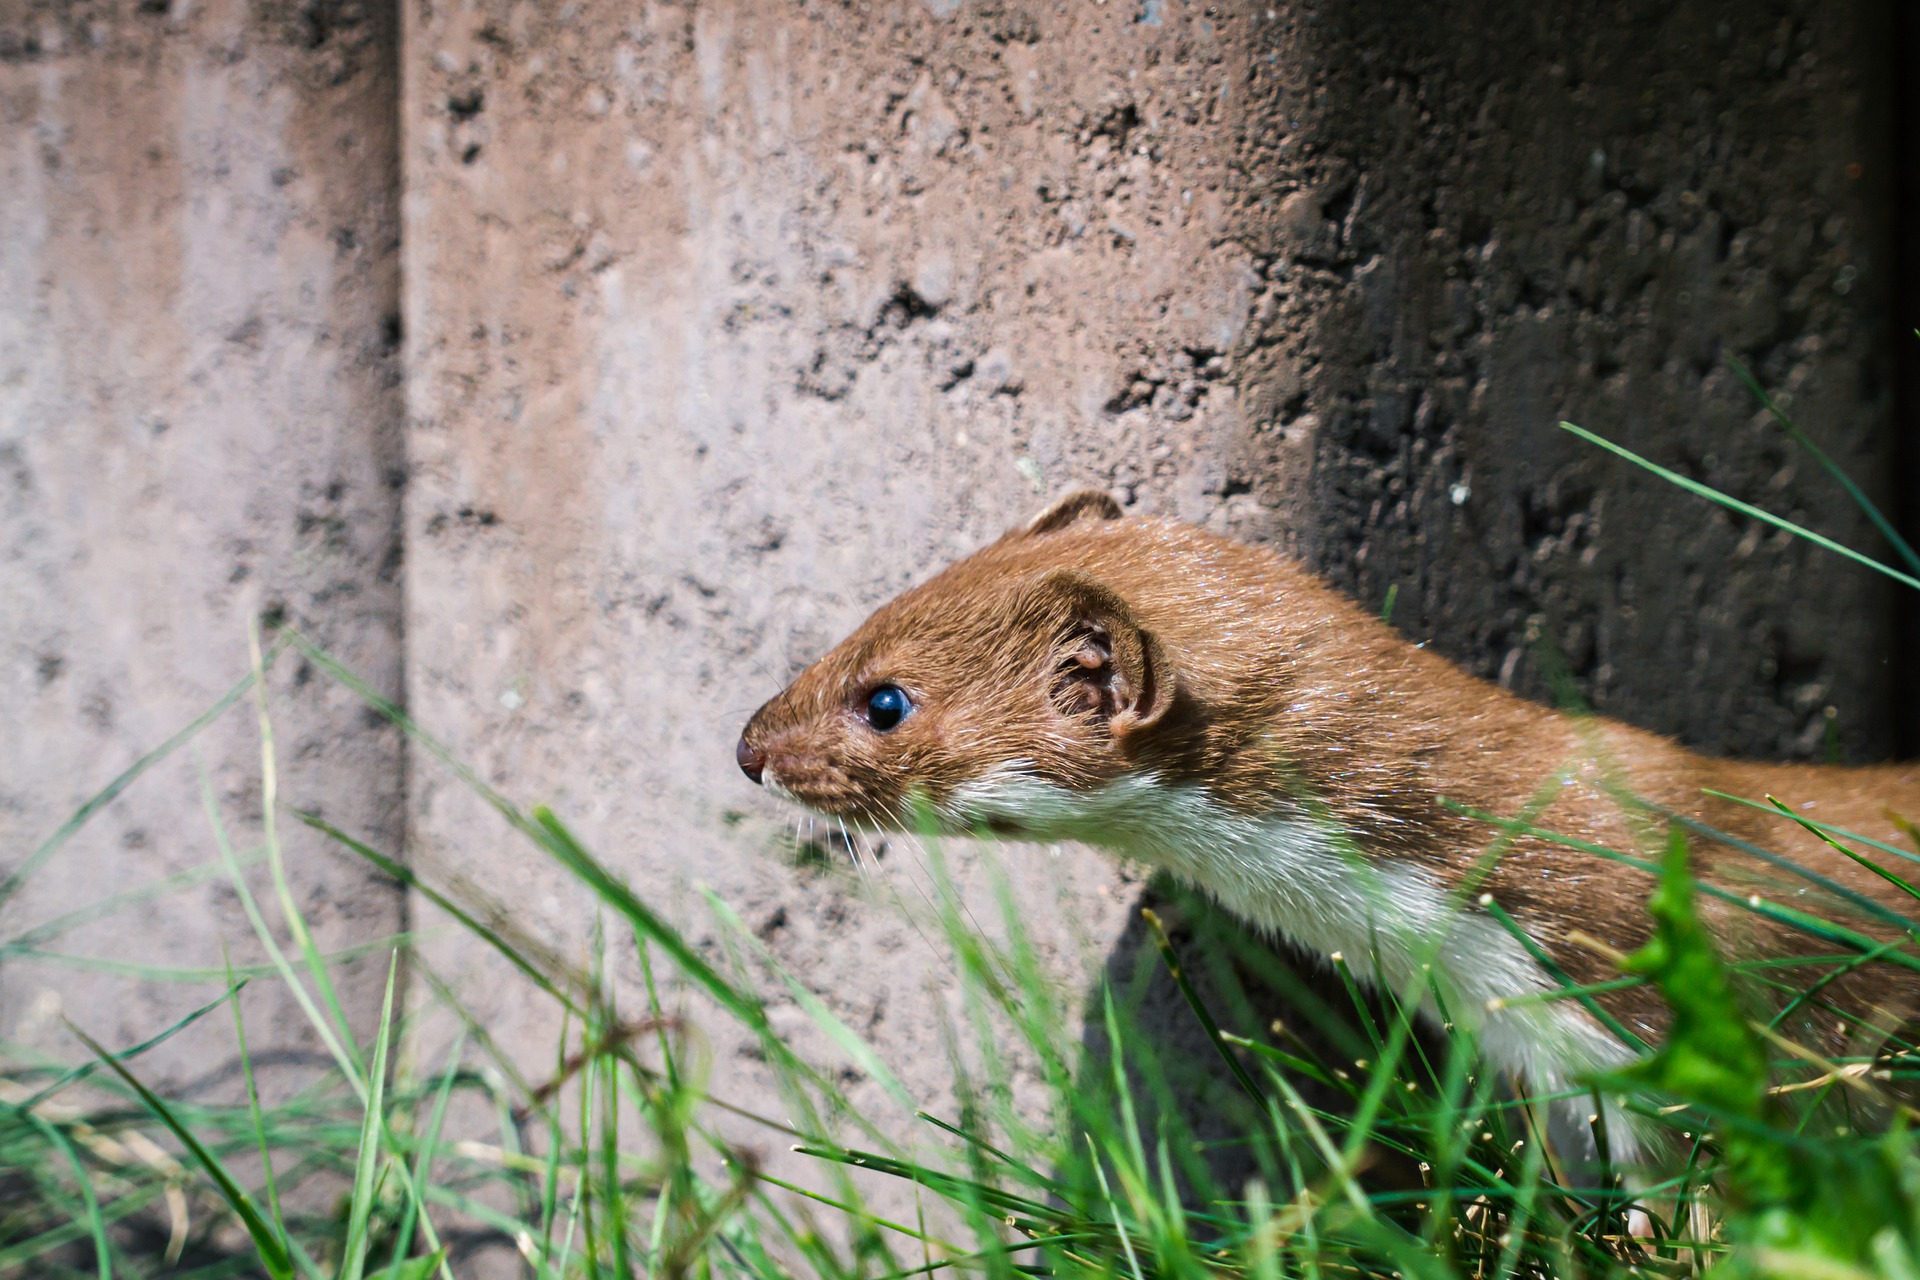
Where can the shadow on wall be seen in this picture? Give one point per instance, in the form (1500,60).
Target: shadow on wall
(1489,220)
(1492,219)
(1251,986)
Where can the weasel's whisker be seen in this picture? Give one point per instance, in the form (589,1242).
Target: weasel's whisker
(853,849)
(961,898)
(899,899)
(767,671)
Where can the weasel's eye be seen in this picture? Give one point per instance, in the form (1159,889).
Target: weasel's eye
(887,706)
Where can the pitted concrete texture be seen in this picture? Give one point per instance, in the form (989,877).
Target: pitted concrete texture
(199,421)
(1494,220)
(730,321)
(726,322)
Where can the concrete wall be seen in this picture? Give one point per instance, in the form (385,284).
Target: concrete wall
(728,321)
(723,322)
(799,305)
(200,421)
(1583,212)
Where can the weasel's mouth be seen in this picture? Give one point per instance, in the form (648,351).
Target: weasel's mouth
(833,806)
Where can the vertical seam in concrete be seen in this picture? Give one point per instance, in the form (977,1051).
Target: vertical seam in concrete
(393,46)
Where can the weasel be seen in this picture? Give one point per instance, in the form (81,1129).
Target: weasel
(1206,706)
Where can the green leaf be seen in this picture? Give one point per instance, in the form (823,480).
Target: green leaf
(1711,1057)
(1830,1198)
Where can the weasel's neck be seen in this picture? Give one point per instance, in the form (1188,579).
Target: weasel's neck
(1301,877)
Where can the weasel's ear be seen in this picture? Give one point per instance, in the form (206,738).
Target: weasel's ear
(1081,504)
(1105,664)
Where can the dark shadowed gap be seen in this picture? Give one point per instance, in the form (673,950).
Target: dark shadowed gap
(1902,108)
(1580,215)
(1253,986)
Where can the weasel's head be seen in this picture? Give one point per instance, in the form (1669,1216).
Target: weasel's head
(1011,677)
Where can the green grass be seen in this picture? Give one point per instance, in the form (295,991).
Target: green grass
(1373,1149)
(1069,1138)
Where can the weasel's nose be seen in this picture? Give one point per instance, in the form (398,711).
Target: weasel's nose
(751,761)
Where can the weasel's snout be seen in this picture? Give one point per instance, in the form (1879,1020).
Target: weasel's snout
(797,761)
(750,752)
(752,761)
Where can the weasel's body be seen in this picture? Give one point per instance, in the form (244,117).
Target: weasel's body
(1210,707)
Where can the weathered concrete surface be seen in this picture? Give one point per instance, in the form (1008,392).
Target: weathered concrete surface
(199,420)
(1494,220)
(729,321)
(725,322)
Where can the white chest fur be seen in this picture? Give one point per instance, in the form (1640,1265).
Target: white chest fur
(1302,878)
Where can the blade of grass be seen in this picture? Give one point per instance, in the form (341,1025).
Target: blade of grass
(946,1183)
(85,1069)
(836,1030)
(572,855)
(1113,1208)
(1858,858)
(1036,1176)
(271,1248)
(390,711)
(322,1026)
(419,1268)
(190,974)
(34,1248)
(1199,1007)
(253,1114)
(1801,920)
(1852,897)
(47,930)
(1860,499)
(409,880)
(269,820)
(367,1163)
(1826,828)
(423,1171)
(1313,1071)
(96,1225)
(1552,970)
(1744,508)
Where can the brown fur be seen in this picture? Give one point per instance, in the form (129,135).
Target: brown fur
(1092,645)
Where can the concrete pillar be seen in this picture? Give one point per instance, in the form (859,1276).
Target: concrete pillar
(731,321)
(199,421)
(726,322)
